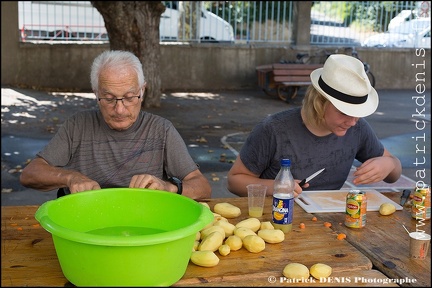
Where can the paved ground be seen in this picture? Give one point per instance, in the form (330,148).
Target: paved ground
(213,125)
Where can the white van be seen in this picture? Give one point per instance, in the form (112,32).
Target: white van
(407,22)
(212,27)
(76,20)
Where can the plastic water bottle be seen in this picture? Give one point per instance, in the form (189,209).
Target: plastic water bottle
(283,198)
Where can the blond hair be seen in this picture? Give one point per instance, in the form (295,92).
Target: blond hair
(313,107)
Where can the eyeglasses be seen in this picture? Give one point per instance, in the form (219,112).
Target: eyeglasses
(127,101)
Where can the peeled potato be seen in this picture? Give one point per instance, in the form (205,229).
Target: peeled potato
(252,223)
(235,242)
(242,232)
(296,271)
(253,243)
(320,270)
(207,231)
(224,249)
(211,242)
(204,258)
(266,225)
(228,227)
(205,204)
(227,210)
(272,235)
(387,209)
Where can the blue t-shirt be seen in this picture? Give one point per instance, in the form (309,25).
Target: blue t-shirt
(284,135)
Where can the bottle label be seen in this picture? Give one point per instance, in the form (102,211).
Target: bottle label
(282,210)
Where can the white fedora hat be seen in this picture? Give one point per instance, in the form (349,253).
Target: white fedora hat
(343,81)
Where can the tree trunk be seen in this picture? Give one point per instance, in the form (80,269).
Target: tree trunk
(134,26)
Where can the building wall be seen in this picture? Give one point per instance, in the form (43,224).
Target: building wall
(191,67)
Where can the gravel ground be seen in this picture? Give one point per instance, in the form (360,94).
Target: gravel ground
(213,125)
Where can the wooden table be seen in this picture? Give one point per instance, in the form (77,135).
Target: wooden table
(29,258)
(386,243)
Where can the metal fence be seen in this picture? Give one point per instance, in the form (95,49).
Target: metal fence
(332,22)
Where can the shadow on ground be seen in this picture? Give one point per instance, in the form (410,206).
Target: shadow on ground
(213,125)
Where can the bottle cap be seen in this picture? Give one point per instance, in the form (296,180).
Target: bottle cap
(285,162)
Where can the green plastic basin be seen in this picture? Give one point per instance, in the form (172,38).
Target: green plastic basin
(123,236)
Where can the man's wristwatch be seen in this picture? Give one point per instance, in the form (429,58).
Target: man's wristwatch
(176,181)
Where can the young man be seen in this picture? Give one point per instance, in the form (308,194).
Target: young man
(328,131)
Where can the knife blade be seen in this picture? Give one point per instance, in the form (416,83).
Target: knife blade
(404,197)
(306,180)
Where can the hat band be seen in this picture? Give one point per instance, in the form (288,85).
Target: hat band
(341,96)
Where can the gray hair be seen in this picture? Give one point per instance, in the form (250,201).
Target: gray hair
(113,58)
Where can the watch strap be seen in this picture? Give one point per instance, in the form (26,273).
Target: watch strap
(176,181)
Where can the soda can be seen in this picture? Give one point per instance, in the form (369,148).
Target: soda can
(421,203)
(356,207)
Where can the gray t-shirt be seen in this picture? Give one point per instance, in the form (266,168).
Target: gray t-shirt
(284,135)
(152,145)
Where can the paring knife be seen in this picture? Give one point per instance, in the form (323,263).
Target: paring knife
(311,177)
(404,197)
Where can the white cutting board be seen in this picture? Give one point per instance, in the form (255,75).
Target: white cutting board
(335,200)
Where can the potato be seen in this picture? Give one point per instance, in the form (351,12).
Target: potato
(196,244)
(266,225)
(272,235)
(387,209)
(234,242)
(252,223)
(224,249)
(296,271)
(320,270)
(204,258)
(227,210)
(254,243)
(209,225)
(205,204)
(226,226)
(211,242)
(209,230)
(242,232)
(218,217)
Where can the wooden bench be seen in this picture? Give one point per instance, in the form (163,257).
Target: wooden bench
(284,80)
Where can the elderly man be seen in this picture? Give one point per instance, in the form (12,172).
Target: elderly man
(117,145)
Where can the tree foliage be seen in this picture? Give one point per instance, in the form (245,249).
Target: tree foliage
(238,12)
(373,14)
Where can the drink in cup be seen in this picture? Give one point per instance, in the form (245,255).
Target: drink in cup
(256,199)
(419,245)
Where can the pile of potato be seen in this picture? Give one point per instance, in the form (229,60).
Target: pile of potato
(251,233)
(224,237)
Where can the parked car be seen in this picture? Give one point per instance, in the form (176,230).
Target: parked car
(75,20)
(421,39)
(408,25)
(399,19)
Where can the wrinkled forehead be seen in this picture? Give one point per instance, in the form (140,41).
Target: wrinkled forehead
(120,79)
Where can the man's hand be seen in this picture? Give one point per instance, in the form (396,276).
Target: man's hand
(80,183)
(150,182)
(373,170)
(299,189)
